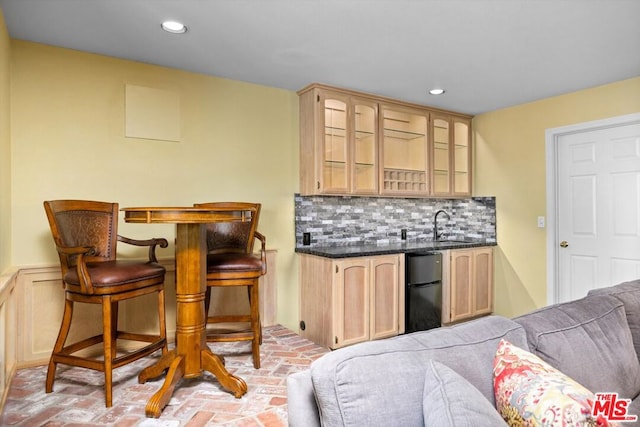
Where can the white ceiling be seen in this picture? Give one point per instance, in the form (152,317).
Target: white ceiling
(487,54)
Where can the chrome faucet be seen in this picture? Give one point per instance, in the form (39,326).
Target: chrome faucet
(436,235)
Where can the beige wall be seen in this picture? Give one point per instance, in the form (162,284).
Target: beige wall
(510,164)
(5,150)
(239,142)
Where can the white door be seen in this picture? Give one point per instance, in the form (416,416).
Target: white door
(598,209)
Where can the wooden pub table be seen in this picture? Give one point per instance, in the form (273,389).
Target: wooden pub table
(191,355)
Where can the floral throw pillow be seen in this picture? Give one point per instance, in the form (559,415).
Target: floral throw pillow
(530,392)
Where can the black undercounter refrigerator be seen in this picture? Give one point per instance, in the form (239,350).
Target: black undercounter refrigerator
(423,292)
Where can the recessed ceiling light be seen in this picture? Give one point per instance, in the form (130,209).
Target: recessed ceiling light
(174,27)
(436,91)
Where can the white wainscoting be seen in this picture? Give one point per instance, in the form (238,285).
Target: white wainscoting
(8,338)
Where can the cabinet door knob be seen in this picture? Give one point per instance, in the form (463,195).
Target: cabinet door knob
(564,244)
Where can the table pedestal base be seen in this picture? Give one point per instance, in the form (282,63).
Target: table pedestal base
(175,364)
(191,356)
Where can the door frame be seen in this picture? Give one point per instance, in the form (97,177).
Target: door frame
(552,137)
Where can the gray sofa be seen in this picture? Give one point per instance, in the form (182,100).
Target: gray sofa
(403,381)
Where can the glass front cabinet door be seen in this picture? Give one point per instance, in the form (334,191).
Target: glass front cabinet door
(335,147)
(451,170)
(461,157)
(365,147)
(441,171)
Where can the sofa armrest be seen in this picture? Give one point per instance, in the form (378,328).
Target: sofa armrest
(381,382)
(301,402)
(629,294)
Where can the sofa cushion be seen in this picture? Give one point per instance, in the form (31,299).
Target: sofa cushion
(629,294)
(301,405)
(451,401)
(531,392)
(588,340)
(382,382)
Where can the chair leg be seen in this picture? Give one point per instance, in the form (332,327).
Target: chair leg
(114,329)
(207,304)
(255,325)
(59,345)
(108,307)
(249,292)
(162,323)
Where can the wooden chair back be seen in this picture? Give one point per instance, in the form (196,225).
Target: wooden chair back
(83,224)
(234,236)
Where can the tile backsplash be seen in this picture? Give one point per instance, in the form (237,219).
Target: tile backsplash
(344,220)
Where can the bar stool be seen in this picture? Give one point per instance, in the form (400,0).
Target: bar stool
(85,234)
(232,262)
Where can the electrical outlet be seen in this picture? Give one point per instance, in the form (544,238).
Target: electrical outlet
(540,222)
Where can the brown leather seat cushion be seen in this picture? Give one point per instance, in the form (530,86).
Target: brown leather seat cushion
(233,262)
(113,273)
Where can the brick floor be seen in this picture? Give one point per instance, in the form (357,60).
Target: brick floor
(78,394)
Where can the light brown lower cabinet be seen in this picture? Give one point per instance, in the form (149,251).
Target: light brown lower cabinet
(468,287)
(351,300)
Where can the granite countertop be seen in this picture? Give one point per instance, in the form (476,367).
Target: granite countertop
(423,246)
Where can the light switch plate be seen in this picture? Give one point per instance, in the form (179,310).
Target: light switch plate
(540,222)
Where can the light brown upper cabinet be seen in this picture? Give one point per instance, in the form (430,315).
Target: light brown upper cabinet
(441,171)
(361,144)
(364,178)
(451,168)
(461,157)
(338,143)
(405,149)
(335,147)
